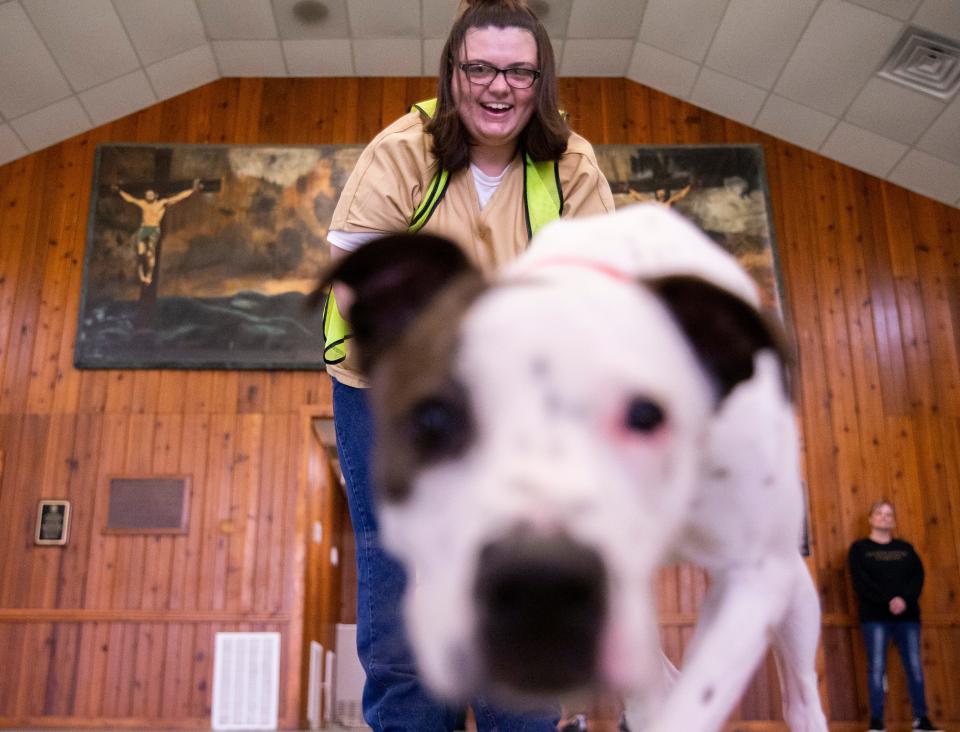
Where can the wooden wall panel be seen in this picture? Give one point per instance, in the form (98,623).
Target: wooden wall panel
(119,630)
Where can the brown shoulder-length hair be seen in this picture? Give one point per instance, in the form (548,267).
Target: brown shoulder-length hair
(545,135)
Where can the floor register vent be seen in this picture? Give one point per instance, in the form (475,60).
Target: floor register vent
(246,681)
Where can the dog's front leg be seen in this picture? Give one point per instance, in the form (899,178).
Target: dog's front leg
(638,710)
(795,643)
(733,632)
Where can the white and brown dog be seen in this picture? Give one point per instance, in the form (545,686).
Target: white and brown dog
(610,402)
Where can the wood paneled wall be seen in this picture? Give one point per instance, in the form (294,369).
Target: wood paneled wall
(117,631)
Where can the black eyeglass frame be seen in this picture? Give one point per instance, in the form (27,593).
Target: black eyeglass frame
(464,64)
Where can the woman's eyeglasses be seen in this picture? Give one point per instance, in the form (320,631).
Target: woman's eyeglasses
(483,74)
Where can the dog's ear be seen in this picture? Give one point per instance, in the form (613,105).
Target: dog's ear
(725,331)
(392,278)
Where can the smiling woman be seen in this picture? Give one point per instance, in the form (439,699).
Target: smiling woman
(493,110)
(501,37)
(485,164)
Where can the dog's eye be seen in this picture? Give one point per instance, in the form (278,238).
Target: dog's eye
(643,415)
(439,428)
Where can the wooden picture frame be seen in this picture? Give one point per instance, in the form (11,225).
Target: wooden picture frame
(53,523)
(154,504)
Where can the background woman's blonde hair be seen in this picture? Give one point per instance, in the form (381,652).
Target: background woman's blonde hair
(882,502)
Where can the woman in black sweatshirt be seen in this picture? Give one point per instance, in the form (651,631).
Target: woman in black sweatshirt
(888,577)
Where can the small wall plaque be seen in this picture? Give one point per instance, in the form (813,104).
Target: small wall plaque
(154,505)
(53,523)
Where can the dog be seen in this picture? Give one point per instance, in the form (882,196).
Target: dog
(612,401)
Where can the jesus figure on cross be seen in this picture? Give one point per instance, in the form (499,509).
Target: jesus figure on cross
(148,234)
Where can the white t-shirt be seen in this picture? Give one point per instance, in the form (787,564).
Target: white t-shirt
(485,184)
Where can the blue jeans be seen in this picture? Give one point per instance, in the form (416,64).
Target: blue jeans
(906,635)
(393,698)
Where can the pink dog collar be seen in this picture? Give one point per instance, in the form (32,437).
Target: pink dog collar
(581,262)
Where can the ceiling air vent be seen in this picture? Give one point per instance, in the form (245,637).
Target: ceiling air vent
(926,62)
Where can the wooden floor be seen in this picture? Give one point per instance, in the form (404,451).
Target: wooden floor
(611,726)
(607,726)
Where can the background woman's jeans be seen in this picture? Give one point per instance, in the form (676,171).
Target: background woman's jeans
(393,698)
(906,635)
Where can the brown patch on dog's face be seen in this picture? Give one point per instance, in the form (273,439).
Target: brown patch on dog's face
(422,413)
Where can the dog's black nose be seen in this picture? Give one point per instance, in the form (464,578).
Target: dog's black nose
(542,607)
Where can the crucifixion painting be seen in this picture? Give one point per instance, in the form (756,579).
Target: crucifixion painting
(200,256)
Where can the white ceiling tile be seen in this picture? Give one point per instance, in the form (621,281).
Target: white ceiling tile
(330,57)
(183,72)
(594,57)
(943,137)
(558,51)
(682,27)
(432,50)
(756,37)
(160,29)
(29,77)
(10,146)
(661,70)
(926,174)
(238,19)
(941,16)
(118,98)
(557,17)
(52,124)
(249,58)
(893,111)
(863,150)
(438,17)
(378,19)
(91,46)
(727,96)
(388,57)
(794,123)
(334,25)
(842,47)
(901,9)
(610,19)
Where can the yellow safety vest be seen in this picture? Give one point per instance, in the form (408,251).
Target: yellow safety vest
(542,203)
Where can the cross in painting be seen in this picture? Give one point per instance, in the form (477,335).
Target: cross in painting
(153,198)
